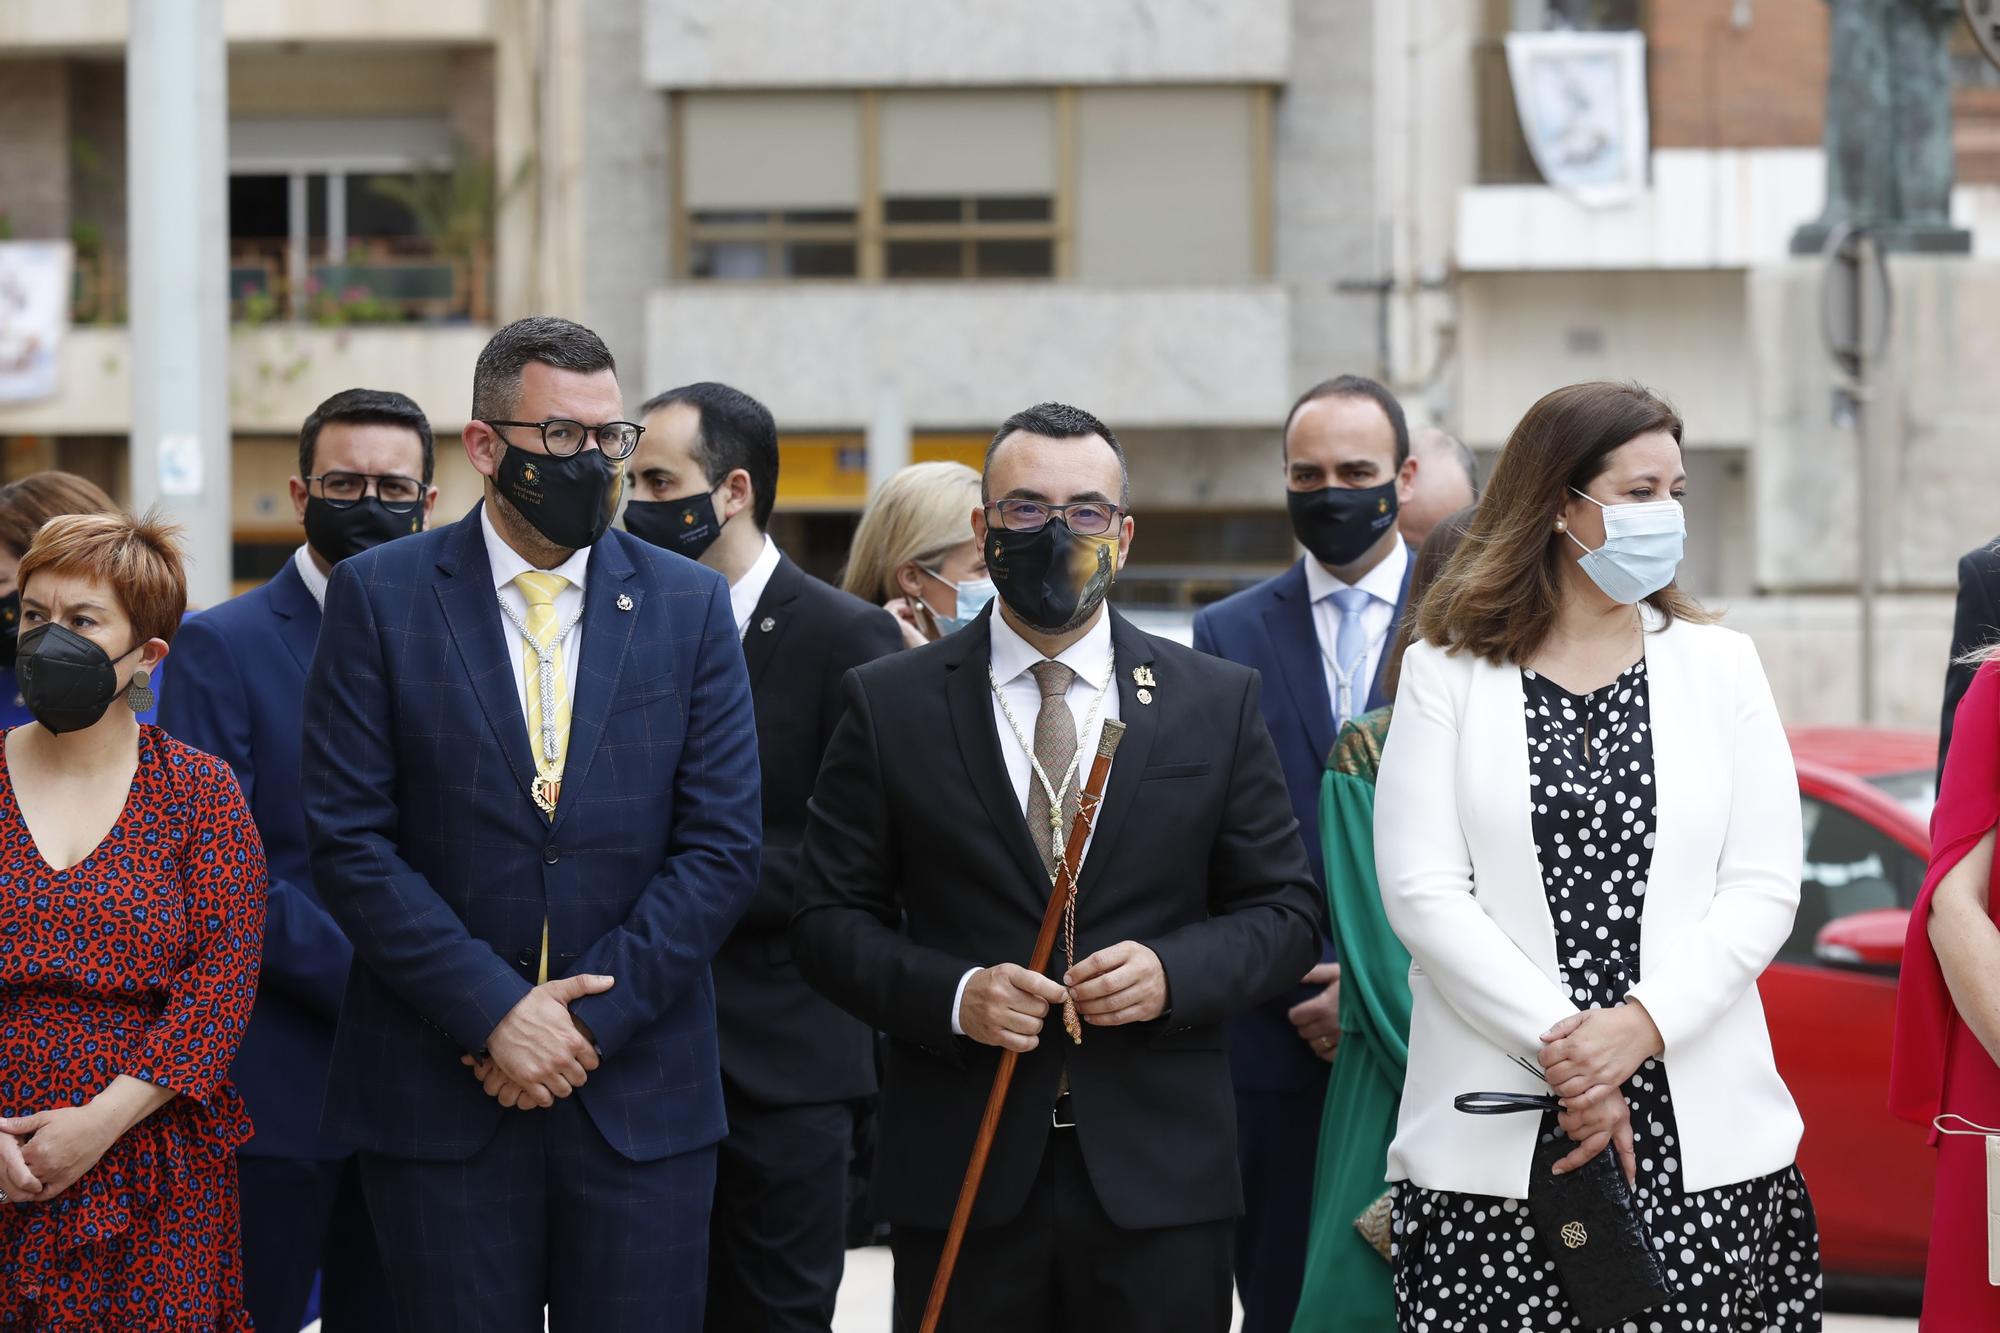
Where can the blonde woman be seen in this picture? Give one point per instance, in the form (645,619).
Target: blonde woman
(914,552)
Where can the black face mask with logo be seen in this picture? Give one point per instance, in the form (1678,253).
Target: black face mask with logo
(338,533)
(570,500)
(1338,523)
(66,680)
(689,526)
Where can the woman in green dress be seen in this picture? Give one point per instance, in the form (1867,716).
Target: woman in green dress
(1347,1283)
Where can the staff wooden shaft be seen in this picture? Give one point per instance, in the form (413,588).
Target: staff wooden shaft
(1003,1077)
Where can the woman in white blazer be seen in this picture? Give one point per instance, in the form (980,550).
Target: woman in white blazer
(1587,833)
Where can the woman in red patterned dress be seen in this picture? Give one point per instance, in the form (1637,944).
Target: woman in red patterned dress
(131,915)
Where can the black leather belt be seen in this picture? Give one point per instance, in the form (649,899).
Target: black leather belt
(1060,1116)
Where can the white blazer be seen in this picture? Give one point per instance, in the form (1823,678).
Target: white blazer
(1455,853)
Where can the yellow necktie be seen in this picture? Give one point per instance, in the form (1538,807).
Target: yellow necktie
(539,589)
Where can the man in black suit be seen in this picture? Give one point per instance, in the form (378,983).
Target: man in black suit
(704,479)
(1976,626)
(1112,1188)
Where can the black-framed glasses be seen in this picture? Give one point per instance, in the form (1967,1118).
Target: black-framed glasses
(1086,518)
(342,490)
(563,437)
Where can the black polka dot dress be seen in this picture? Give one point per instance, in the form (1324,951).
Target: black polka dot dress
(1742,1258)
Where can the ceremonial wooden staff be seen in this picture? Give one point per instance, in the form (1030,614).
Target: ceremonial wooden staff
(1045,943)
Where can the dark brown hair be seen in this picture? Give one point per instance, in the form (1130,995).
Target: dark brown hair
(35,499)
(1500,599)
(1433,558)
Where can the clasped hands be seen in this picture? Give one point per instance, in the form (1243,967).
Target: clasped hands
(1586,1059)
(1006,1005)
(541,1051)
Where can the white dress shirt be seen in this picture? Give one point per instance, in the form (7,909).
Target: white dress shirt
(309,571)
(1384,586)
(507,564)
(746,592)
(1012,659)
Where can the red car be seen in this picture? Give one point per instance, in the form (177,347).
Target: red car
(1831,993)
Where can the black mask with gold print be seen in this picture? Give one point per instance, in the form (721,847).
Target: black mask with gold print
(570,500)
(1052,578)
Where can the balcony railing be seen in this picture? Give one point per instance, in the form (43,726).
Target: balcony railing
(376,283)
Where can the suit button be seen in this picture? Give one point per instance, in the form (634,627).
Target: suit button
(528,957)
(550,855)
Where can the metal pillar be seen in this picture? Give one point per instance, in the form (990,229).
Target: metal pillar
(176,125)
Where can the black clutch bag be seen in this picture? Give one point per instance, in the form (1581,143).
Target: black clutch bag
(1588,1219)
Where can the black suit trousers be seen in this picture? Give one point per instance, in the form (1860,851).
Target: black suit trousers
(1063,1266)
(777,1238)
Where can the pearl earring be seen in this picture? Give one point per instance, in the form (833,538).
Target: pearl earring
(1562,525)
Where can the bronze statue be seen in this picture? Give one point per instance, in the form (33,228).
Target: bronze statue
(1888,127)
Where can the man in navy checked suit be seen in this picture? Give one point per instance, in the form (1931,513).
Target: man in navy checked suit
(1348,471)
(235,687)
(531,1143)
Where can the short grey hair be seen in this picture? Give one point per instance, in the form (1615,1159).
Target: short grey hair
(549,339)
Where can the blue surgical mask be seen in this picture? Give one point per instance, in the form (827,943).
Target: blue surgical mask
(972,599)
(1642,548)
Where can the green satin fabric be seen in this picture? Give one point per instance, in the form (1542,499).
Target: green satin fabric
(1347,1284)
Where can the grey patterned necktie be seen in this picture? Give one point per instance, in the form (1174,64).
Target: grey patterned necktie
(1055,748)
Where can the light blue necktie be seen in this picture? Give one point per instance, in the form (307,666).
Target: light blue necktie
(1350,646)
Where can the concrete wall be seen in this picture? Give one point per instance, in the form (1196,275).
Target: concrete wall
(1324,203)
(889,43)
(76,25)
(626,161)
(34,148)
(1681,334)
(1811,649)
(1937,473)
(964,356)
(1704,208)
(277,374)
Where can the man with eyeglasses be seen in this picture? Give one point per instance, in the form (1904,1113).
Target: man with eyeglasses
(235,687)
(932,838)
(532,799)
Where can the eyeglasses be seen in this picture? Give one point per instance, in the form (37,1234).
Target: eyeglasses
(563,437)
(343,490)
(1087,518)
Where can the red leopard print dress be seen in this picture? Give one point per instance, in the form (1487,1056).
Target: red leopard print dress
(141,959)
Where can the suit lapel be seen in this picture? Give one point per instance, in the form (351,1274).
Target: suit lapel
(1130,649)
(969,695)
(467,598)
(1376,698)
(760,644)
(297,613)
(612,605)
(1289,621)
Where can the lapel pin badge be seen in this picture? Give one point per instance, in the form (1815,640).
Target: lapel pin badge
(767,624)
(1142,676)
(624,601)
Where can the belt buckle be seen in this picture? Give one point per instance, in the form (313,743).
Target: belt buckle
(1059,1114)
